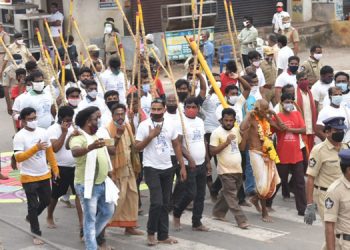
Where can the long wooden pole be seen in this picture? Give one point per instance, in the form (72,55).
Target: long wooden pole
(75,24)
(8,52)
(208,72)
(69,28)
(236,33)
(125,19)
(194,83)
(68,57)
(53,42)
(147,64)
(136,60)
(194,13)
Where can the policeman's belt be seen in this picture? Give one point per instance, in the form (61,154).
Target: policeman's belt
(320,188)
(344,236)
(112,53)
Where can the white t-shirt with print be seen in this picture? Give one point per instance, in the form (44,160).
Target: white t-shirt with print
(146,103)
(64,157)
(24,140)
(157,153)
(195,139)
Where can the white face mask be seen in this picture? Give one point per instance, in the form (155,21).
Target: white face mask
(245,23)
(254,89)
(108,29)
(318,56)
(232,99)
(29,88)
(92,94)
(74,101)
(256,64)
(32,124)
(38,86)
(218,83)
(287,25)
(20,41)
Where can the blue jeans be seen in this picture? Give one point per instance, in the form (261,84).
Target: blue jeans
(249,182)
(97,213)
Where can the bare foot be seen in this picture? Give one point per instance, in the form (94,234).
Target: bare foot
(255,201)
(133,231)
(51,223)
(201,228)
(267,218)
(177,223)
(37,241)
(243,225)
(169,241)
(3,177)
(151,240)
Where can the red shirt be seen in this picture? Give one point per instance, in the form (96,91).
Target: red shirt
(225,81)
(159,87)
(288,144)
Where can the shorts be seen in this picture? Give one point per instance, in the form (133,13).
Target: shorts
(61,185)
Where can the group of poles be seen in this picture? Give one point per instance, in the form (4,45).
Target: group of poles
(140,33)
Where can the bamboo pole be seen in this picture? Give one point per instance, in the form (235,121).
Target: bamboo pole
(69,28)
(208,72)
(147,64)
(194,84)
(8,52)
(53,42)
(194,13)
(125,19)
(75,24)
(136,57)
(42,51)
(236,33)
(68,57)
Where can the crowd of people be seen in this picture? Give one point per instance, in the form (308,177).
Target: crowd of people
(99,137)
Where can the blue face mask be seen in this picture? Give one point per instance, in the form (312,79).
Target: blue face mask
(343,86)
(146,87)
(336,100)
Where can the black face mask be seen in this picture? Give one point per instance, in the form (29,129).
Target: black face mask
(328,81)
(338,136)
(171,109)
(156,116)
(111,103)
(182,96)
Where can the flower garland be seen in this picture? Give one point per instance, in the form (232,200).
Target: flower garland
(264,135)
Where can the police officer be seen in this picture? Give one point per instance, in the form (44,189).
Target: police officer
(337,207)
(94,52)
(313,65)
(323,167)
(110,33)
(269,69)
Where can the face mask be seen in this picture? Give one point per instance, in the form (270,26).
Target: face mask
(20,41)
(293,69)
(343,86)
(338,136)
(94,129)
(38,86)
(99,122)
(92,94)
(336,100)
(29,88)
(256,64)
(327,81)
(110,104)
(253,90)
(232,99)
(156,116)
(303,84)
(32,124)
(95,53)
(218,83)
(269,59)
(279,9)
(289,107)
(115,71)
(108,29)
(171,109)
(146,87)
(74,101)
(318,56)
(18,62)
(182,96)
(245,23)
(286,25)
(191,113)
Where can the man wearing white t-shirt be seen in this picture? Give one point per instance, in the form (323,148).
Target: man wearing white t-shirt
(277,24)
(287,77)
(156,136)
(55,22)
(114,79)
(41,101)
(59,133)
(283,54)
(320,89)
(195,153)
(335,95)
(33,150)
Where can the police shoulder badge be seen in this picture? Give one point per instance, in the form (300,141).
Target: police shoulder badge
(328,203)
(312,162)
(302,68)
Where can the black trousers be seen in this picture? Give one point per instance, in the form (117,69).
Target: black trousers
(179,185)
(139,179)
(38,198)
(160,183)
(194,191)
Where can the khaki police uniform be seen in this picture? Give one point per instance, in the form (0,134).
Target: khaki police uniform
(337,210)
(270,74)
(324,166)
(292,37)
(311,68)
(9,76)
(6,38)
(109,46)
(19,49)
(87,63)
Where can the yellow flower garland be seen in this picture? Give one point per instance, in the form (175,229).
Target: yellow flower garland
(264,135)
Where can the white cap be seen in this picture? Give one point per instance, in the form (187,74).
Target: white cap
(150,37)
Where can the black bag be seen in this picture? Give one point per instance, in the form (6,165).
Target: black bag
(2,92)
